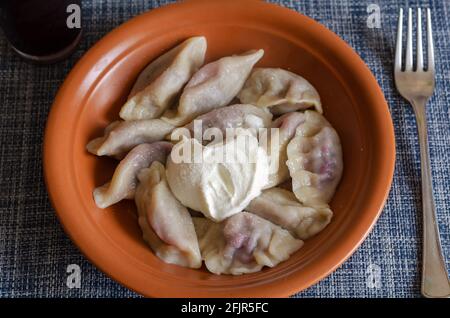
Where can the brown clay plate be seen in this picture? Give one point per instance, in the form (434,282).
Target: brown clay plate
(96,88)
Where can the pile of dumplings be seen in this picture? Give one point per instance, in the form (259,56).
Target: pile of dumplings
(173,91)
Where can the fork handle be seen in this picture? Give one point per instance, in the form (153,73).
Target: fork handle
(435,282)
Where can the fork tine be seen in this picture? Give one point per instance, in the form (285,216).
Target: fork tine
(419,41)
(409,54)
(398,47)
(430,42)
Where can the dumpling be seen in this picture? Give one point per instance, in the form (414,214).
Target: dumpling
(243,243)
(121,136)
(187,55)
(230,117)
(162,80)
(124,180)
(282,208)
(281,90)
(213,86)
(315,160)
(166,224)
(286,125)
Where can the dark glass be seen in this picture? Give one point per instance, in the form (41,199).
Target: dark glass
(38,30)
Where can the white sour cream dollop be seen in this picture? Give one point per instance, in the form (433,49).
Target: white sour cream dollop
(220,179)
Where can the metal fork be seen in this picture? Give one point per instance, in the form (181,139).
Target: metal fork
(417,85)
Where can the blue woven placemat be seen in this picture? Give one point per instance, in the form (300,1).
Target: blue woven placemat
(35,252)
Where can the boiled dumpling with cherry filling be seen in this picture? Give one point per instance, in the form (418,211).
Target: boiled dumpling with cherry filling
(121,136)
(166,224)
(243,243)
(315,160)
(277,144)
(227,120)
(124,180)
(280,90)
(162,80)
(213,86)
(281,207)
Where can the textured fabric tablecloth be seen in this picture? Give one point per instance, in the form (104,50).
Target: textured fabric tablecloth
(35,251)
